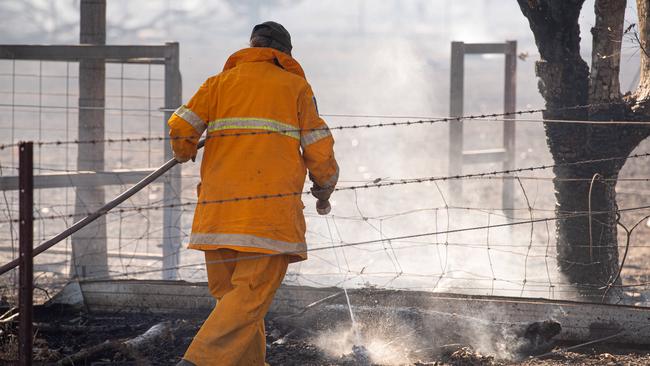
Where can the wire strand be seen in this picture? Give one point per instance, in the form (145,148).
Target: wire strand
(299,130)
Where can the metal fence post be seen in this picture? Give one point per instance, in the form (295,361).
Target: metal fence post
(509,106)
(26,237)
(456,95)
(505,154)
(172,189)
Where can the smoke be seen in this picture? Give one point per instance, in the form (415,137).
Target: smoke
(394,75)
(393,335)
(384,347)
(385,59)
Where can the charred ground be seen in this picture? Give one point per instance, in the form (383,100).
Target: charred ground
(76,337)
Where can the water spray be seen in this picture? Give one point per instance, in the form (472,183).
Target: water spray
(355,329)
(359,351)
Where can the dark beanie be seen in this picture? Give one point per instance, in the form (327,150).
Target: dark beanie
(274,31)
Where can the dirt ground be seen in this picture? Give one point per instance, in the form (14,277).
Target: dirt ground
(61,334)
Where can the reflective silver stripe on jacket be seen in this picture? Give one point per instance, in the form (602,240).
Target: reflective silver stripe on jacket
(254,124)
(192,118)
(333,179)
(313,136)
(250,241)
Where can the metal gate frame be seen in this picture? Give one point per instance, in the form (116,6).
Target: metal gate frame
(458,156)
(167,55)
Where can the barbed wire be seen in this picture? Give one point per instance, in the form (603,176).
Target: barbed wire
(401,238)
(378,184)
(333,128)
(532,284)
(489,226)
(485,177)
(406,244)
(253,133)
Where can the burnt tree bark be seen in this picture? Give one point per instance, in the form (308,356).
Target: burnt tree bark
(587,245)
(641,96)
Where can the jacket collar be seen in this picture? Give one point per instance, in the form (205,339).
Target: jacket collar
(261,54)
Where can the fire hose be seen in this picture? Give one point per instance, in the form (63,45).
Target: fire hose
(323,208)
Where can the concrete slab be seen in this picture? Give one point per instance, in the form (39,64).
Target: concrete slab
(433,312)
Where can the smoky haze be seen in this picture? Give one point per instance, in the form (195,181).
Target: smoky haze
(369,62)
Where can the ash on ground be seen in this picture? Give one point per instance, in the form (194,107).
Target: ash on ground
(63,335)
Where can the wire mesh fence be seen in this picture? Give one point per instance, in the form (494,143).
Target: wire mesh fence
(40,101)
(391,227)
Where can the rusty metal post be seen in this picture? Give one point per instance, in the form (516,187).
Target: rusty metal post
(172,188)
(26,237)
(509,106)
(456,95)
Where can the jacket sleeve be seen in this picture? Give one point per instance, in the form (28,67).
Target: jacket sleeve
(188,123)
(317,142)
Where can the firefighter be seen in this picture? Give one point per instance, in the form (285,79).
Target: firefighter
(263,134)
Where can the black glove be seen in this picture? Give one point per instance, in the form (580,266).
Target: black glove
(320,193)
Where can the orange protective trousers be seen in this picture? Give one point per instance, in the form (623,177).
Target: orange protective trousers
(244,285)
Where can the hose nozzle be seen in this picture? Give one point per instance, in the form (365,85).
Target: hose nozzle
(323,207)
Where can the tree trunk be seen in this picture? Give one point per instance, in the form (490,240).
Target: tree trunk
(586,246)
(642,94)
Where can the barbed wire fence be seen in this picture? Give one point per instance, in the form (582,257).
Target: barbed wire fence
(388,247)
(389,232)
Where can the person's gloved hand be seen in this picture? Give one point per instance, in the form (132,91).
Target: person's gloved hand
(182,159)
(322,194)
(323,207)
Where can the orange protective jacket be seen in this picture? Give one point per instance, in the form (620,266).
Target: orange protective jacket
(263,133)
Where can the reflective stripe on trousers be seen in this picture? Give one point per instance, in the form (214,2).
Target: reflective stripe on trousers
(249,241)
